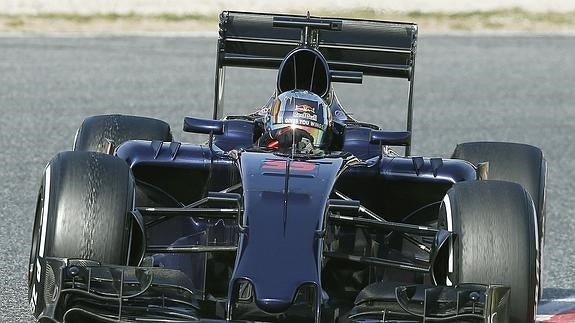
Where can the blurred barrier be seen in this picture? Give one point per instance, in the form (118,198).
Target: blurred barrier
(201,7)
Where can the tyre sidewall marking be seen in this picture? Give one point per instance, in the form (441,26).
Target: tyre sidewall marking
(537,260)
(449,219)
(44,211)
(41,248)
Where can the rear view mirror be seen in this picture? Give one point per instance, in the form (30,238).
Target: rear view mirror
(207,126)
(390,138)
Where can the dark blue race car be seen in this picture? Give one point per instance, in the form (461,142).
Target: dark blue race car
(297,212)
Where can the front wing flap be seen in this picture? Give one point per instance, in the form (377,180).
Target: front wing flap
(419,303)
(75,288)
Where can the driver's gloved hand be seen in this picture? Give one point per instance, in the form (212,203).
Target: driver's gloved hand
(302,139)
(305,146)
(283,140)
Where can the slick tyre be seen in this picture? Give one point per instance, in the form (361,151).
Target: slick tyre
(96,132)
(82,212)
(518,163)
(495,240)
(513,162)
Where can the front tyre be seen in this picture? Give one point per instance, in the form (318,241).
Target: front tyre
(513,162)
(495,240)
(518,163)
(82,212)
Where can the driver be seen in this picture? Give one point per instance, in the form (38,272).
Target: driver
(298,121)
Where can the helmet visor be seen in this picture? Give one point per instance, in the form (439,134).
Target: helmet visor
(300,113)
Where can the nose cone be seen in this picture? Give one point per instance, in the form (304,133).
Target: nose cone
(281,250)
(271,305)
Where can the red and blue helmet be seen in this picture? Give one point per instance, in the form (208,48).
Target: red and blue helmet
(300,111)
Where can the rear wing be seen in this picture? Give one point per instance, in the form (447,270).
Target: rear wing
(357,46)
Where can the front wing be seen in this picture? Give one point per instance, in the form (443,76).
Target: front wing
(76,290)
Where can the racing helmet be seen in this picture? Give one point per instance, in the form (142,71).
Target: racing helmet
(297,117)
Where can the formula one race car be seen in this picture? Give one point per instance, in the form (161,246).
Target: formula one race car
(297,212)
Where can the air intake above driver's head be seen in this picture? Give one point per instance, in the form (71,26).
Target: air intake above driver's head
(304,69)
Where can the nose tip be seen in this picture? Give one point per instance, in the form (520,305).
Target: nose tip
(273,305)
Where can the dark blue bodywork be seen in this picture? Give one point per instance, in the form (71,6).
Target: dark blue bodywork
(284,207)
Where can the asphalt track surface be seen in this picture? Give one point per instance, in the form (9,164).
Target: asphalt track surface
(505,88)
